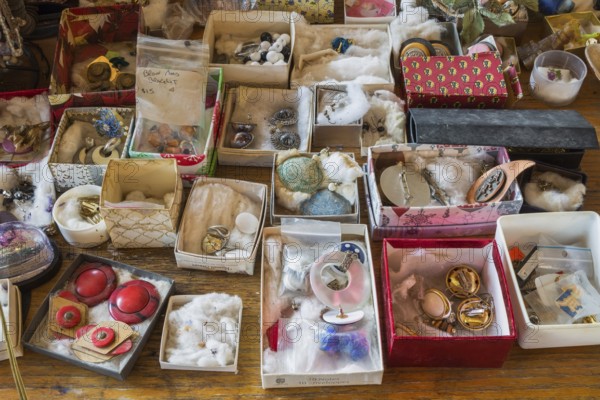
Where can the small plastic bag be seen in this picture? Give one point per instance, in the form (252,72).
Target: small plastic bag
(171,80)
(569,297)
(561,259)
(178,23)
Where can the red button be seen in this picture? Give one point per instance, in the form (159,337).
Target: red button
(68,317)
(93,282)
(103,337)
(90,283)
(132,299)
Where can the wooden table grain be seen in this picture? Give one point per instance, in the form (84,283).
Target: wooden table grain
(543,373)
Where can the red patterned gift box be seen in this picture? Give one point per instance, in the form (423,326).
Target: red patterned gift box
(473,81)
(84,33)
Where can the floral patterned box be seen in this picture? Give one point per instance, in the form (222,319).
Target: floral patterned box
(205,162)
(86,33)
(385,214)
(141,226)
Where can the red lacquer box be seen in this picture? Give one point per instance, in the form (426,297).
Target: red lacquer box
(409,260)
(472,81)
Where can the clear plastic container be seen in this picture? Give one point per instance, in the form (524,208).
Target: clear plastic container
(551,89)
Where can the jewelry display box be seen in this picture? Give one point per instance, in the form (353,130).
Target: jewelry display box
(38,339)
(308,34)
(278,212)
(249,25)
(240,263)
(581,229)
(389,220)
(190,166)
(410,344)
(566,133)
(10,301)
(263,103)
(96,27)
(219,331)
(374,376)
(39,98)
(589,23)
(141,227)
(69,175)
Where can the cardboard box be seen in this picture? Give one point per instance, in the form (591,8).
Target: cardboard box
(487,348)
(11,309)
(80,32)
(307,32)
(256,98)
(510,49)
(176,302)
(315,11)
(204,163)
(258,193)
(566,133)
(281,380)
(588,21)
(387,215)
(474,81)
(69,175)
(37,333)
(278,212)
(449,36)
(18,160)
(141,227)
(385,8)
(581,228)
(330,135)
(378,232)
(249,25)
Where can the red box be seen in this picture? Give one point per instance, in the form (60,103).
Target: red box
(403,257)
(473,81)
(81,33)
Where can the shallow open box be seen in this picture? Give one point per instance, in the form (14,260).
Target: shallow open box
(332,378)
(68,174)
(176,302)
(257,100)
(36,337)
(433,258)
(240,264)
(581,229)
(249,25)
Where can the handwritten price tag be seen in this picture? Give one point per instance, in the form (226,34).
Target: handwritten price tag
(170,96)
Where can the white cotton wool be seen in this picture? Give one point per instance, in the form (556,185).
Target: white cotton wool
(415,25)
(567,196)
(154,13)
(355,107)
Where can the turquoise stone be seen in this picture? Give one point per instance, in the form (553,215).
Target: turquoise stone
(326,202)
(300,174)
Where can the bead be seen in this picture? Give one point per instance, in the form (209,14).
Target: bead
(300,174)
(277,47)
(263,56)
(134,301)
(275,36)
(286,51)
(68,317)
(266,36)
(264,46)
(273,56)
(103,337)
(286,38)
(255,56)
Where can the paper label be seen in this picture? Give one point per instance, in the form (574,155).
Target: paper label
(170,96)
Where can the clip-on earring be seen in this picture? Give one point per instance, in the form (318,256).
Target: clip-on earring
(243,133)
(284,139)
(339,280)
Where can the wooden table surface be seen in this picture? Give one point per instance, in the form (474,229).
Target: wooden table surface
(544,373)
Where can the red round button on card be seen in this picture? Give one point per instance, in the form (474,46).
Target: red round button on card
(94,282)
(103,337)
(134,301)
(68,317)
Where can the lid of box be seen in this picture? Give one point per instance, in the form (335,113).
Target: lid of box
(566,129)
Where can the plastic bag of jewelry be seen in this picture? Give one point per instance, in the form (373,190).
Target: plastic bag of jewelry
(564,298)
(564,259)
(171,84)
(304,242)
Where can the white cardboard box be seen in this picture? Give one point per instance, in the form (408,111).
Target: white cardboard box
(579,227)
(176,302)
(261,157)
(278,380)
(249,25)
(278,212)
(297,78)
(257,192)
